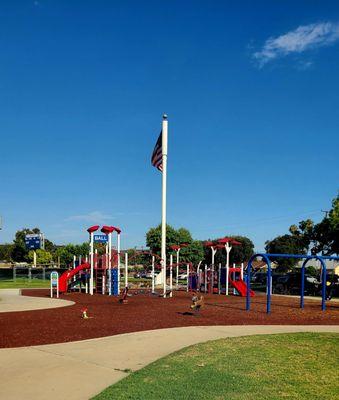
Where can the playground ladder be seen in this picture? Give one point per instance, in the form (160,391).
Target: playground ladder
(100,280)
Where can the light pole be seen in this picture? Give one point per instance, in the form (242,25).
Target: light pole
(91,231)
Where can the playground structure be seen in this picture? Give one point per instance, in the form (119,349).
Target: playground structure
(102,273)
(104,270)
(177,249)
(217,280)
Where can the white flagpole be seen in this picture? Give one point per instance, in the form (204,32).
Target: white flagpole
(164,184)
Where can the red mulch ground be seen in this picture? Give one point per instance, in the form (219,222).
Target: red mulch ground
(144,312)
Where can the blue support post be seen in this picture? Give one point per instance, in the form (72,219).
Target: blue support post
(248,281)
(114,281)
(302,289)
(323,288)
(307,257)
(269,276)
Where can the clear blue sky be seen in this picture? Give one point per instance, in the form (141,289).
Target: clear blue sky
(251,90)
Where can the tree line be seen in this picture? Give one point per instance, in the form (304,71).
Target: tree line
(304,237)
(196,250)
(309,237)
(52,254)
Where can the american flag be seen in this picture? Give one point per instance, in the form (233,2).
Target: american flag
(157,154)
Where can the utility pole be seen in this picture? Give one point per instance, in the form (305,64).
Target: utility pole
(326,212)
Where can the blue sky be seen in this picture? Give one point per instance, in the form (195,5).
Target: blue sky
(251,90)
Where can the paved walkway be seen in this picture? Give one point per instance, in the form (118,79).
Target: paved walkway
(11,300)
(79,370)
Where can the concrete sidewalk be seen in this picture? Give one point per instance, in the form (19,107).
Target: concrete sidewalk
(11,300)
(79,370)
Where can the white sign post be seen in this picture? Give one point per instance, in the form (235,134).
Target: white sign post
(55,283)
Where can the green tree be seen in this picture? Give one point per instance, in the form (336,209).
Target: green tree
(153,238)
(195,251)
(326,233)
(19,252)
(311,270)
(184,236)
(5,252)
(238,254)
(50,246)
(304,232)
(42,256)
(322,237)
(66,253)
(286,244)
(140,257)
(192,253)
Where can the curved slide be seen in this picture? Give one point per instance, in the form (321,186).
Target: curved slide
(67,275)
(241,287)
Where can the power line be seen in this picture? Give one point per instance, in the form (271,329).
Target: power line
(268,220)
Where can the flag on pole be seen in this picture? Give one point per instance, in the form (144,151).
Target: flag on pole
(159,161)
(157,154)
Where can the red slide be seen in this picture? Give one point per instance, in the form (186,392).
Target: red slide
(67,275)
(241,287)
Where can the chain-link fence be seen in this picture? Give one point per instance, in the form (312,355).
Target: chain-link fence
(37,274)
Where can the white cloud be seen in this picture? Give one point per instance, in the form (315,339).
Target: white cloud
(303,38)
(96,217)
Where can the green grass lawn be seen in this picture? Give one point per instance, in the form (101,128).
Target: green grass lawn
(137,280)
(290,366)
(23,283)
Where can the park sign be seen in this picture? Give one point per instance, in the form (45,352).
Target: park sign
(54,278)
(100,238)
(54,283)
(33,241)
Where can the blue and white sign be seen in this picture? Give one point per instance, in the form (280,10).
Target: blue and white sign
(54,278)
(55,283)
(33,241)
(100,238)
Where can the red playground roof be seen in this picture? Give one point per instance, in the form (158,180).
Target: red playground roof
(107,229)
(93,228)
(229,240)
(178,246)
(225,240)
(116,229)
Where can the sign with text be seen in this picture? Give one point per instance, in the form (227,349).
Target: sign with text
(54,282)
(54,278)
(33,241)
(100,238)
